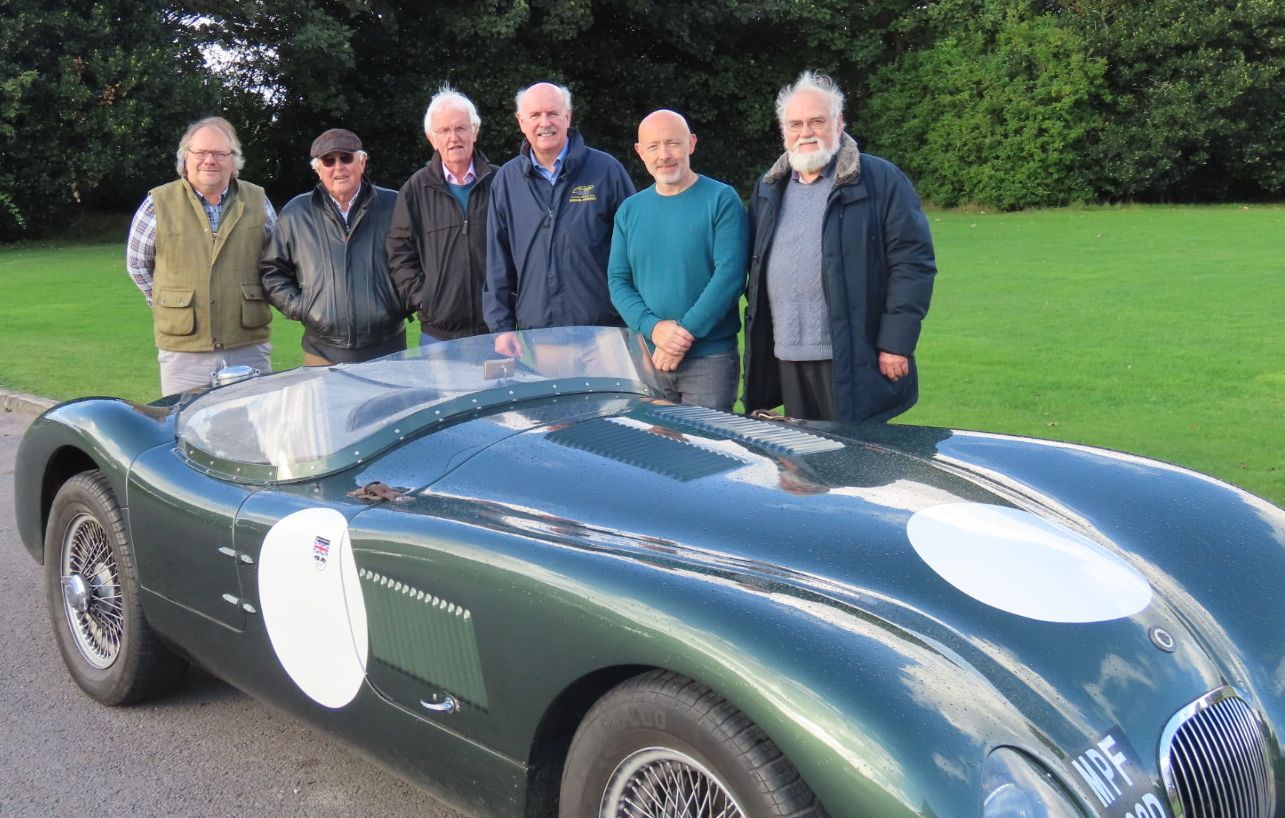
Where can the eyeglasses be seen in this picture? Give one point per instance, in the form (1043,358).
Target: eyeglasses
(201,156)
(816,124)
(457,132)
(329,159)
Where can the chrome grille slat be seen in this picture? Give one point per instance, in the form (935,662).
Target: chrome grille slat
(1183,770)
(1244,780)
(1199,762)
(1227,749)
(1213,758)
(1259,773)
(1215,751)
(1204,738)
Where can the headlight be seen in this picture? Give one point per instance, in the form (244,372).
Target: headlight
(1015,786)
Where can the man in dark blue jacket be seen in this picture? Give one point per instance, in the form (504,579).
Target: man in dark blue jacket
(549,225)
(841,273)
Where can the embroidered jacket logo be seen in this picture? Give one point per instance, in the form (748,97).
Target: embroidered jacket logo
(583,193)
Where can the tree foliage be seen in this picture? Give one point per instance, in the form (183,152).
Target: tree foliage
(372,67)
(92,94)
(1195,102)
(993,111)
(1006,103)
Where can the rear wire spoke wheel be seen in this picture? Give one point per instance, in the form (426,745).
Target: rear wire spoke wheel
(93,595)
(663,746)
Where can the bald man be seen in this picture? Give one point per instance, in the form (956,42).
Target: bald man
(677,268)
(548,229)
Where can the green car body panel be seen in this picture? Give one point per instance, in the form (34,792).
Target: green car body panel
(548,547)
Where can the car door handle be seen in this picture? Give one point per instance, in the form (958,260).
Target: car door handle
(446,705)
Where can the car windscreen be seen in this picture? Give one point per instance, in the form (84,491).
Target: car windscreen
(312,421)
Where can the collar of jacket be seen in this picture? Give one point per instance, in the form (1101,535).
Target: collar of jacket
(847,168)
(437,174)
(575,153)
(229,195)
(325,201)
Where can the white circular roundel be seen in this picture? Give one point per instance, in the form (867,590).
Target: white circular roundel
(1023,564)
(312,604)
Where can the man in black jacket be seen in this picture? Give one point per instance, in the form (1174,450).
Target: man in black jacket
(437,242)
(325,264)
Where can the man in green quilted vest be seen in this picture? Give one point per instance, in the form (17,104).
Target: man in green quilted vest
(193,251)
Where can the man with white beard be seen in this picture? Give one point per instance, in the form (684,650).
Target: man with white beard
(841,271)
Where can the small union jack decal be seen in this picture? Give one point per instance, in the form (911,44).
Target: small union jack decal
(320,553)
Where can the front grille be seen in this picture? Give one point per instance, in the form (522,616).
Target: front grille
(1213,759)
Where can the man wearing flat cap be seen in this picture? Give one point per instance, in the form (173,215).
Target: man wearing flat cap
(325,265)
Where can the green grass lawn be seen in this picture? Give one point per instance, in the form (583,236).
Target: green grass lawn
(1156,330)
(74,324)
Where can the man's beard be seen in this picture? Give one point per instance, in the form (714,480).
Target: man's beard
(813,161)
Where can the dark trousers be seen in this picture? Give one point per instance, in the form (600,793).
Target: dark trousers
(807,389)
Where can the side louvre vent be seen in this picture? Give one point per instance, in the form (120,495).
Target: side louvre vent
(423,637)
(1214,760)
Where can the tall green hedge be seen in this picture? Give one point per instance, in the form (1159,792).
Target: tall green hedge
(999,103)
(995,111)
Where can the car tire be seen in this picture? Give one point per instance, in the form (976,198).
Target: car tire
(92,590)
(662,735)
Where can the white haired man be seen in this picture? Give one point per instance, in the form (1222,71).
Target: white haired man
(193,251)
(841,271)
(549,228)
(437,242)
(326,266)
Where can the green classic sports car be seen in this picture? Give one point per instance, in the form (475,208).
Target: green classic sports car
(535,588)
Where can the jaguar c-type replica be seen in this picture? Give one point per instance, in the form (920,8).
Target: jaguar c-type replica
(534,587)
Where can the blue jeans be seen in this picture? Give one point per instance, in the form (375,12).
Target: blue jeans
(709,380)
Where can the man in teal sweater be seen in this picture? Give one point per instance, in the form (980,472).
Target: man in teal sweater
(677,268)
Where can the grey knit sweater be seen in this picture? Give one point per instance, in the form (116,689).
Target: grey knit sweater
(800,315)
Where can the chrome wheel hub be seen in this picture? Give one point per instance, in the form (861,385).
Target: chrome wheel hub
(660,781)
(91,591)
(76,593)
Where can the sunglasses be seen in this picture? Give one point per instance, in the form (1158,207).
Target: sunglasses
(329,159)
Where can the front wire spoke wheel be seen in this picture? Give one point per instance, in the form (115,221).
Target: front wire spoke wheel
(94,612)
(94,598)
(661,782)
(661,745)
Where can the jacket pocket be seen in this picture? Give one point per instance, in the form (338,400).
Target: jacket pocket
(175,314)
(255,311)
